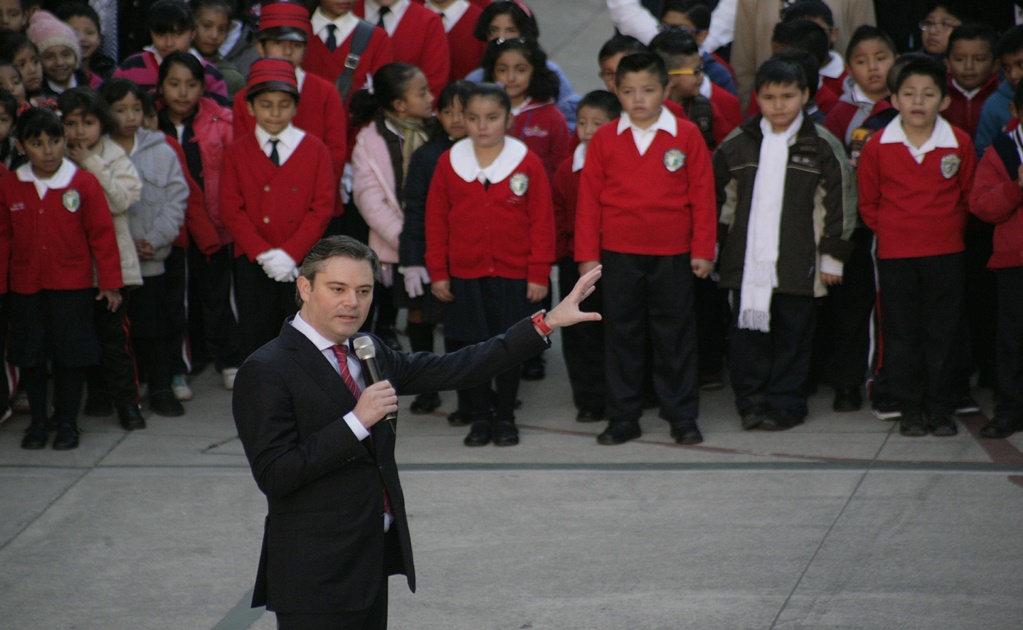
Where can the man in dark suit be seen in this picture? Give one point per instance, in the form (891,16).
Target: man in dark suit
(336,526)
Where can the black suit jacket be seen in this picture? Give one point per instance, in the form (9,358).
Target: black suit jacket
(323,541)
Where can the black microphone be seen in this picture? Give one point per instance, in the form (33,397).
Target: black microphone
(366,351)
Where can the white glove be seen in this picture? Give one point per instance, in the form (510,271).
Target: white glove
(278,265)
(415,278)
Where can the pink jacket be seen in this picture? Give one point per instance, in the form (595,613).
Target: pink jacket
(373,189)
(213,129)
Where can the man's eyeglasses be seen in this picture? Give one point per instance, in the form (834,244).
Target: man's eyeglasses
(936,27)
(687,72)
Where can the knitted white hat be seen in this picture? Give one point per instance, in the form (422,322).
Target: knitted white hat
(46,31)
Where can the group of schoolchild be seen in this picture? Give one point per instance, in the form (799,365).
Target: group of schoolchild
(157,223)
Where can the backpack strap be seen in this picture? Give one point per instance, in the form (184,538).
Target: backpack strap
(1008,150)
(360,41)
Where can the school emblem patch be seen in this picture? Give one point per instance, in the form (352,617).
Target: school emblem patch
(674,160)
(950,165)
(519,184)
(71,200)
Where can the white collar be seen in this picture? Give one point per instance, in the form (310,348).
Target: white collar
(835,66)
(159,60)
(941,138)
(969,94)
(233,35)
(665,122)
(858,95)
(313,335)
(319,21)
(397,11)
(466,166)
(579,157)
(450,15)
(300,78)
(289,137)
(706,87)
(515,111)
(61,179)
(56,89)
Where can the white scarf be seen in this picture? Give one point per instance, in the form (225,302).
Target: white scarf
(760,268)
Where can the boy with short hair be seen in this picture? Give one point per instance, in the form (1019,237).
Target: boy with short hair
(997,197)
(914,181)
(832,69)
(971,74)
(682,58)
(278,194)
(584,347)
(172,28)
(870,56)
(994,115)
(612,52)
(55,227)
(784,245)
(284,33)
(646,213)
(808,36)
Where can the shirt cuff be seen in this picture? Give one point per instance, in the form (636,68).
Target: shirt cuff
(361,432)
(831,265)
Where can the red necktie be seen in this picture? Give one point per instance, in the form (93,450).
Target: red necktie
(341,352)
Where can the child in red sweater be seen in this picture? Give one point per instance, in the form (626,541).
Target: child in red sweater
(459,18)
(520,65)
(341,39)
(55,227)
(997,198)
(914,180)
(584,348)
(489,246)
(278,196)
(971,74)
(646,211)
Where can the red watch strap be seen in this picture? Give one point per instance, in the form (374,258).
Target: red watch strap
(539,320)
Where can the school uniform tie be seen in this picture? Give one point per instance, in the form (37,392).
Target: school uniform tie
(341,352)
(383,11)
(276,159)
(331,38)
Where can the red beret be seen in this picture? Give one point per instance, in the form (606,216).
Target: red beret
(271,74)
(285,21)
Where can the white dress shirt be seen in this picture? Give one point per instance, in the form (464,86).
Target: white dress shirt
(391,18)
(288,141)
(645,137)
(941,138)
(345,26)
(449,16)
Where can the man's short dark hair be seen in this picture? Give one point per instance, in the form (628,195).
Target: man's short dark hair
(333,247)
(642,62)
(924,68)
(776,71)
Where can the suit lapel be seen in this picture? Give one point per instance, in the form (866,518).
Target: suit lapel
(320,371)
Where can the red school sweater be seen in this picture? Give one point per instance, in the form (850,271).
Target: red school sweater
(728,104)
(420,40)
(965,112)
(319,112)
(633,204)
(565,195)
(286,207)
(465,50)
(915,209)
(475,232)
(329,65)
(543,128)
(51,243)
(997,198)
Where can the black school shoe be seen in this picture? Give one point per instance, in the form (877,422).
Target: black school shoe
(943,425)
(585,415)
(36,436)
(67,437)
(130,417)
(618,432)
(780,420)
(686,432)
(753,417)
(1000,428)
(913,425)
(505,433)
(480,433)
(425,403)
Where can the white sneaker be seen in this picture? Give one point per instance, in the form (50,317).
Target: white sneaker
(228,375)
(180,387)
